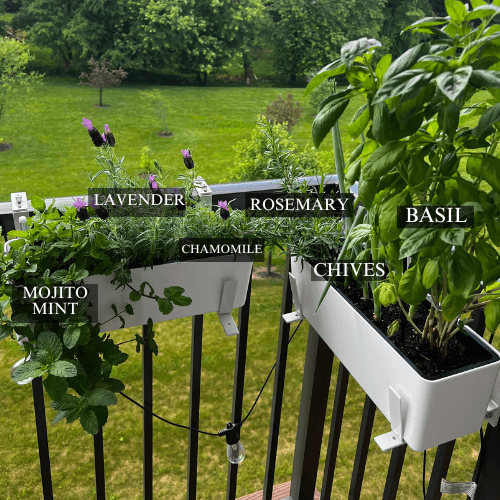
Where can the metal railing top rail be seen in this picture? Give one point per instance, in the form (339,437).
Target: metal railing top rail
(233,188)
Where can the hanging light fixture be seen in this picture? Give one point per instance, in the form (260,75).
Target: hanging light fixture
(235,450)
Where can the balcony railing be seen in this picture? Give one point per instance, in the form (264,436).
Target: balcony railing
(312,415)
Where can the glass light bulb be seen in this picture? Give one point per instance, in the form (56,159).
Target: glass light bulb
(235,453)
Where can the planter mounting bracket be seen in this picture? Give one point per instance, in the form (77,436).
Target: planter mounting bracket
(226,306)
(492,413)
(394,438)
(297,314)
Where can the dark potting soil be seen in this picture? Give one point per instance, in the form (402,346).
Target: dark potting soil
(462,350)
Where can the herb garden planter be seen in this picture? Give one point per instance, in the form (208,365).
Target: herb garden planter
(423,412)
(214,285)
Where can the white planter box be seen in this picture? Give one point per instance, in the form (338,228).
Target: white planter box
(427,412)
(203,281)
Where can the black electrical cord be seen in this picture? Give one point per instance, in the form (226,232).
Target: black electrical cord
(238,424)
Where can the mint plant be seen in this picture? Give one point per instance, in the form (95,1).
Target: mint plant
(429,129)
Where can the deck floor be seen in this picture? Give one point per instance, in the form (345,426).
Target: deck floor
(280,492)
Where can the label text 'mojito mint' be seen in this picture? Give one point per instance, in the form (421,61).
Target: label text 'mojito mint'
(435,216)
(198,248)
(51,300)
(297,204)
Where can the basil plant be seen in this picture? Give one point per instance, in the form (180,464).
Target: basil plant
(429,128)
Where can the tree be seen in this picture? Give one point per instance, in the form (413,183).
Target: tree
(101,77)
(73,29)
(399,14)
(14,56)
(195,36)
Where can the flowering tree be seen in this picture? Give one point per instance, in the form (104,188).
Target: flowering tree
(102,77)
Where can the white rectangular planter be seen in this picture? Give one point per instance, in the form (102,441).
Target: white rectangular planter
(427,412)
(203,281)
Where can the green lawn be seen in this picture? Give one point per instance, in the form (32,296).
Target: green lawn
(71,447)
(52,152)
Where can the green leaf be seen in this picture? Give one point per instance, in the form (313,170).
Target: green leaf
(430,274)
(383,66)
(50,342)
(411,289)
(29,369)
(6,331)
(419,239)
(112,384)
(381,127)
(100,397)
(452,306)
(71,336)
(165,306)
(356,48)
(448,118)
(487,167)
(386,294)
(482,11)
(359,122)
(88,420)
(174,294)
(388,220)
(456,10)
(464,272)
(404,83)
(37,203)
(487,255)
(101,412)
(59,416)
(489,117)
(129,309)
(333,69)
(453,84)
(453,236)
(417,171)
(428,21)
(80,275)
(326,119)
(66,402)
(56,387)
(406,60)
(19,320)
(360,234)
(62,369)
(135,296)
(492,315)
(485,78)
(383,160)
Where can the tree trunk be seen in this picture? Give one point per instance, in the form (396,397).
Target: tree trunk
(100,98)
(269,255)
(293,79)
(246,67)
(205,78)
(67,62)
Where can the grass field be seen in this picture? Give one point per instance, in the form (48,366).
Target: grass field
(52,152)
(71,447)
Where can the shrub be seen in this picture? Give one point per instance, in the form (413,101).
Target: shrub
(323,90)
(283,111)
(250,160)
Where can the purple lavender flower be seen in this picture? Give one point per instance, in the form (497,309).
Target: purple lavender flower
(79,203)
(88,124)
(110,138)
(152,182)
(188,161)
(103,137)
(224,209)
(106,128)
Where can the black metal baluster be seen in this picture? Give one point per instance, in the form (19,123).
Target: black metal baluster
(335,428)
(194,405)
(394,472)
(43,441)
(439,470)
(488,483)
(279,384)
(147,422)
(365,433)
(100,480)
(239,383)
(313,404)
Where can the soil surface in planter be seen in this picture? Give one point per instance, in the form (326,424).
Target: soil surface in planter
(462,351)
